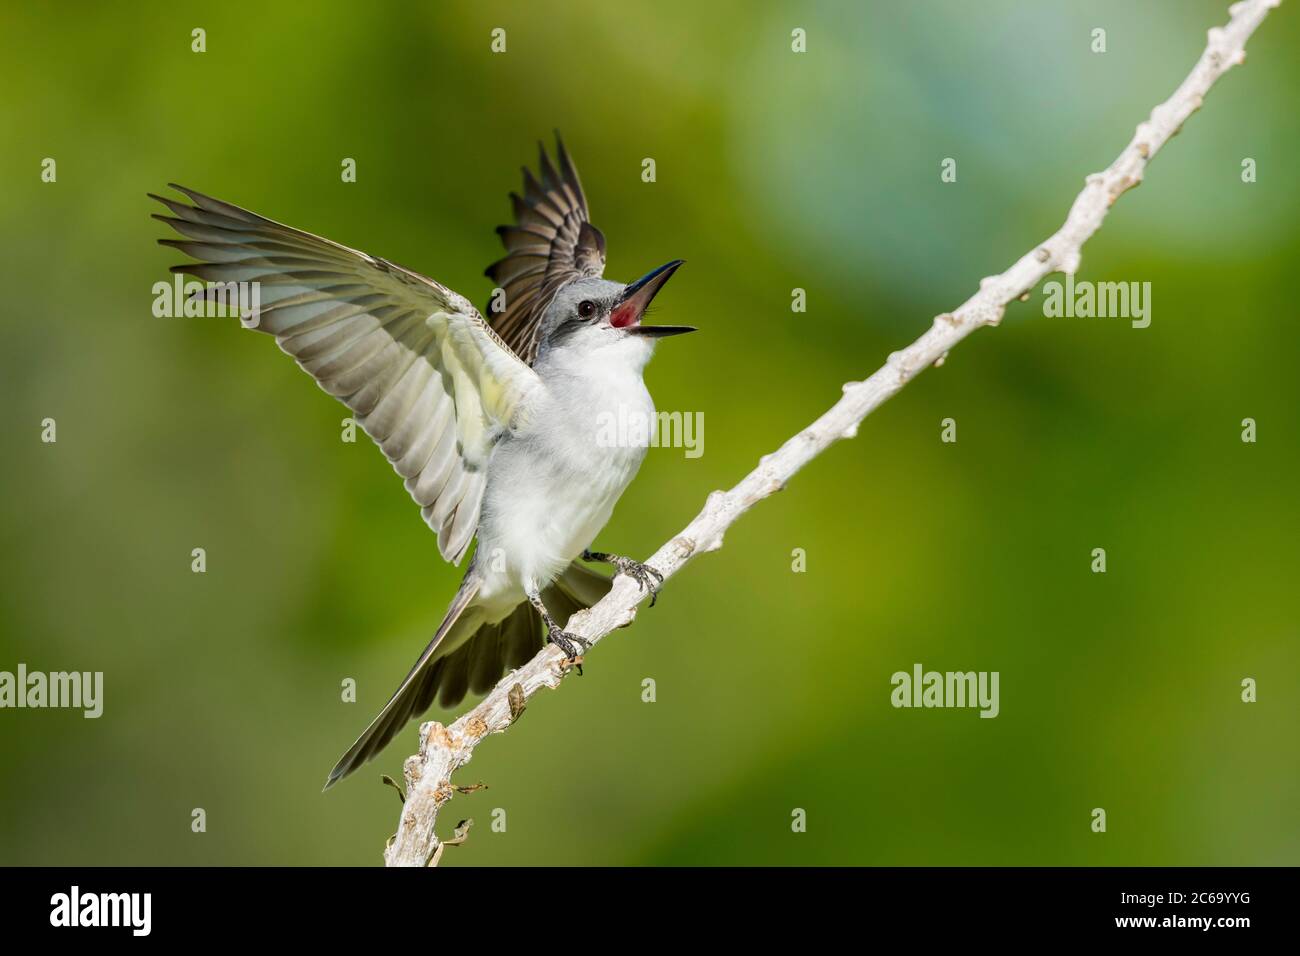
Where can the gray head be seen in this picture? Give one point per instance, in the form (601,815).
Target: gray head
(591,313)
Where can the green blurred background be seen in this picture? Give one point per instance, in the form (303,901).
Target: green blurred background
(774,171)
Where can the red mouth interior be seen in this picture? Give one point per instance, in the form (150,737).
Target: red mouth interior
(625,314)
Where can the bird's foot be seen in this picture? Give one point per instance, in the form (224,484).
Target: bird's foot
(572,645)
(647,577)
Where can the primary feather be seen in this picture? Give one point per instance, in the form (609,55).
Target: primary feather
(551,243)
(424,375)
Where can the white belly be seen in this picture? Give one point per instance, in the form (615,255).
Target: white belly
(552,487)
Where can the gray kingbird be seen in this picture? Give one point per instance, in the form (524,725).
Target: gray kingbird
(494,427)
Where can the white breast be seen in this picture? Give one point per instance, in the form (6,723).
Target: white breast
(553,485)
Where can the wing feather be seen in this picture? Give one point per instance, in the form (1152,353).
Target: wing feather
(551,242)
(424,375)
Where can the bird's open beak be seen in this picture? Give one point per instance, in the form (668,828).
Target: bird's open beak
(636,297)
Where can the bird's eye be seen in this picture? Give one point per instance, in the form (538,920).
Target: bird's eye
(586,308)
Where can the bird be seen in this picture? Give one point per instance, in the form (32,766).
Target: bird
(494,426)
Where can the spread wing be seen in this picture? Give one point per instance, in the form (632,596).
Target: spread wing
(551,242)
(421,371)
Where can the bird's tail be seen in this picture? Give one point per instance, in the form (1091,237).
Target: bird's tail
(468,654)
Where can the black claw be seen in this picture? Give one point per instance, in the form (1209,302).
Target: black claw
(647,577)
(559,638)
(571,644)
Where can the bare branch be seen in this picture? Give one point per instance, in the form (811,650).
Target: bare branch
(443,750)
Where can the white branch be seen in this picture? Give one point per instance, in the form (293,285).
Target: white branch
(445,749)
